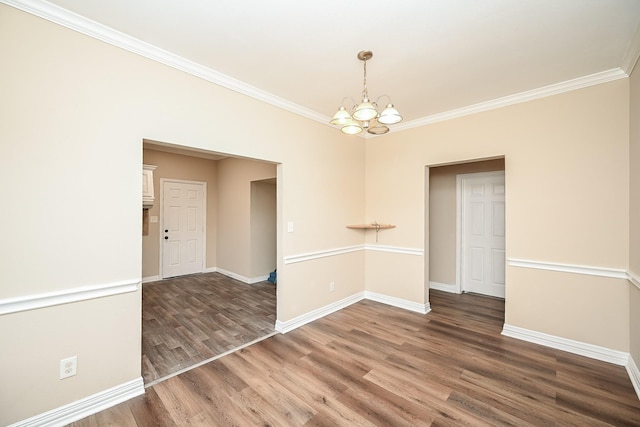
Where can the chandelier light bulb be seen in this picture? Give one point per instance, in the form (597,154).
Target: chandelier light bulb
(352,127)
(390,116)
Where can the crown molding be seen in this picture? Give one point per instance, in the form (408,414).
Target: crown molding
(101,32)
(108,35)
(554,89)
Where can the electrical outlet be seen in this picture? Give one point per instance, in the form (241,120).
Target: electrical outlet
(68,367)
(332,287)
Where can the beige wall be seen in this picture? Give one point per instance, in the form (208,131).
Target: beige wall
(560,153)
(188,168)
(443,214)
(263,227)
(634,213)
(73,134)
(234,212)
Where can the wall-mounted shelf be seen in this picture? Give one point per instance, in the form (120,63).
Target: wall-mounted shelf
(372,226)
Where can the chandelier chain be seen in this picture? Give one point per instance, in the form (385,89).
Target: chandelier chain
(365,94)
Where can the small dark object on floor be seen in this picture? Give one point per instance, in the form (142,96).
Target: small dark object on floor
(272,277)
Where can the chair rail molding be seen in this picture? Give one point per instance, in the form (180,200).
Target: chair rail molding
(310,256)
(614,273)
(66,296)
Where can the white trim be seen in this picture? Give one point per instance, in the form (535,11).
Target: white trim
(633,278)
(233,275)
(395,250)
(248,280)
(634,375)
(149,279)
(576,347)
(310,256)
(108,35)
(258,279)
(66,296)
(614,273)
(290,325)
(296,322)
(84,407)
(210,269)
(160,197)
(554,89)
(444,287)
(399,302)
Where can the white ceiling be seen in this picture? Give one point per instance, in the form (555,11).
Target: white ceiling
(430,56)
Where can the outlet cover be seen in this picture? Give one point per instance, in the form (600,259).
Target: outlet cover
(68,367)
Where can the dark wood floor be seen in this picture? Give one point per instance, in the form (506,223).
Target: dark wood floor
(371,364)
(190,319)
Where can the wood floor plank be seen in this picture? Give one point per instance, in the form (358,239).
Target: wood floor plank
(371,364)
(190,319)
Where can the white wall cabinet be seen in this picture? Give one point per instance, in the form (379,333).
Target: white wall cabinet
(147,186)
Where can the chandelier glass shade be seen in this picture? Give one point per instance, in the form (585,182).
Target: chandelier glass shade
(365,115)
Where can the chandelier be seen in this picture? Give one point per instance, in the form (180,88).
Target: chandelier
(365,115)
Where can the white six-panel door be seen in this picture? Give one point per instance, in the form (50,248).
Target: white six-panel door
(182,232)
(483,233)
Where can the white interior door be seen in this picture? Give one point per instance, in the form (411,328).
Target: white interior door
(483,233)
(182,233)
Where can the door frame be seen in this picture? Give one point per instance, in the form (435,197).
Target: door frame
(460,178)
(163,181)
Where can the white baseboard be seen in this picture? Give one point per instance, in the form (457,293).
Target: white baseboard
(150,279)
(634,375)
(296,322)
(244,279)
(443,287)
(290,325)
(249,280)
(398,302)
(576,347)
(84,407)
(258,279)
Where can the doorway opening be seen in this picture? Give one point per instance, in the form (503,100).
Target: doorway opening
(457,261)
(209,246)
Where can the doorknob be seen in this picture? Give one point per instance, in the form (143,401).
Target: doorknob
(166,231)
(166,237)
